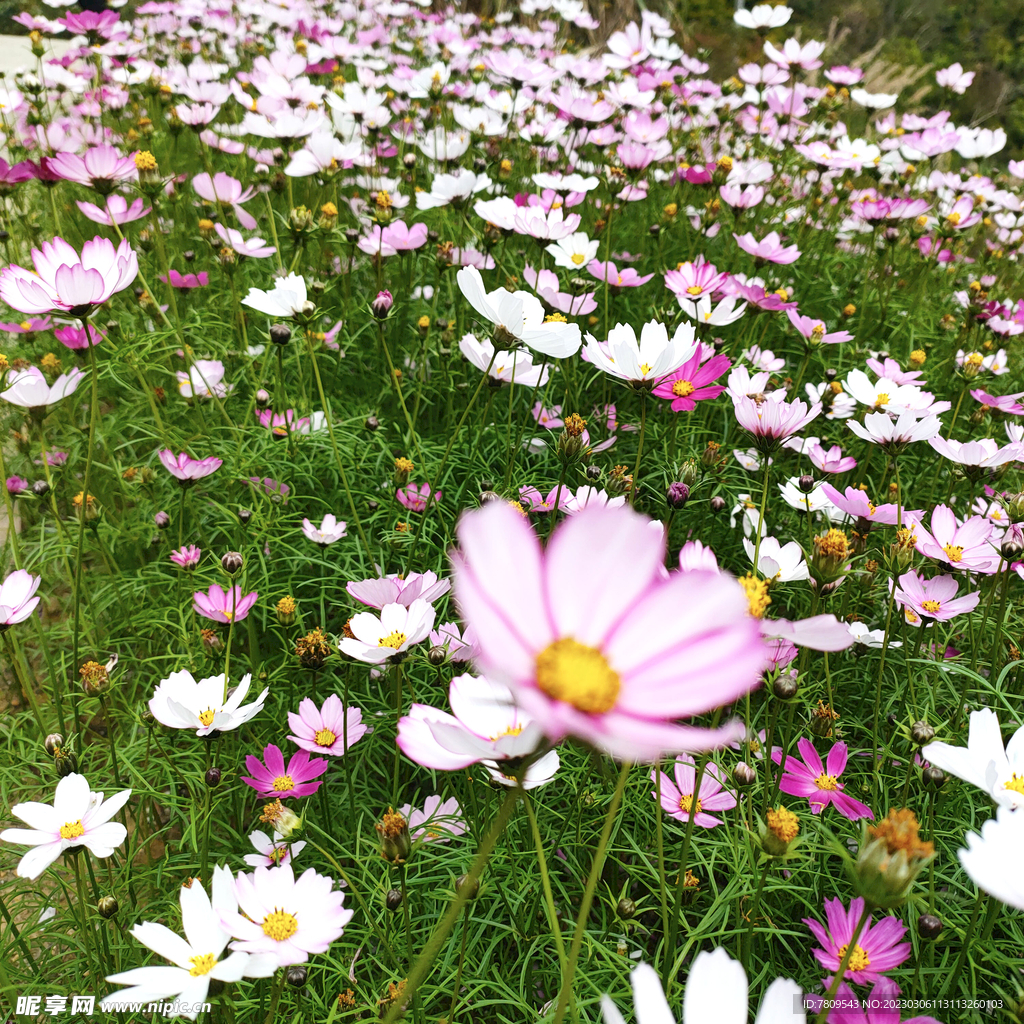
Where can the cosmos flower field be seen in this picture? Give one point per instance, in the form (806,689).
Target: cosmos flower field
(504,528)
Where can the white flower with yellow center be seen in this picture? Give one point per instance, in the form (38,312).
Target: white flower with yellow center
(196,957)
(180,702)
(644,361)
(77,817)
(376,640)
(573,252)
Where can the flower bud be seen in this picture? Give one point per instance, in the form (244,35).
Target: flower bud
(232,562)
(1013,543)
(785,687)
(806,483)
(371,423)
(280,334)
(107,907)
(626,909)
(65,762)
(922,733)
(689,473)
(285,609)
(297,976)
(743,775)
(436,656)
(929,926)
(161,520)
(40,488)
(244,515)
(572,444)
(381,305)
(678,495)
(717,504)
(778,831)
(933,778)
(891,856)
(463,882)
(822,719)
(212,777)
(262,399)
(53,743)
(95,678)
(300,219)
(393,900)
(395,841)
(593,472)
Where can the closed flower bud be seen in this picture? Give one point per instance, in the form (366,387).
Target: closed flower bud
(678,495)
(212,777)
(244,515)
(933,778)
(436,656)
(892,854)
(785,687)
(717,504)
(107,907)
(395,841)
(65,762)
(300,219)
(40,488)
(743,775)
(626,909)
(409,161)
(232,562)
(162,520)
(1013,543)
(53,743)
(689,473)
(470,886)
(806,483)
(280,334)
(262,399)
(381,305)
(929,926)
(922,733)
(371,423)
(393,899)
(593,472)
(297,976)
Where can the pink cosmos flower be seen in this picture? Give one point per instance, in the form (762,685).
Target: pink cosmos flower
(76,338)
(224,606)
(415,496)
(895,434)
(437,822)
(770,249)
(115,211)
(29,389)
(331,729)
(831,461)
(99,168)
(820,784)
(772,422)
(625,278)
(880,1006)
(533,501)
(550,419)
(1004,403)
(17,598)
(255,247)
(677,797)
(545,283)
(223,190)
(758,295)
(965,545)
(742,199)
(879,944)
(814,330)
(270,778)
(395,238)
(458,645)
(932,599)
(795,54)
(592,640)
(66,282)
(855,503)
(843,75)
(271,853)
(33,326)
(187,558)
(186,469)
(395,589)
(185,282)
(692,382)
(330,530)
(982,454)
(695,557)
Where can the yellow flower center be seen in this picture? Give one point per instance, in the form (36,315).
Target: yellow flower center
(279,925)
(694,290)
(882,399)
(645,368)
(1016,783)
(931,606)
(859,960)
(145,161)
(686,803)
(283,783)
(911,617)
(555,318)
(394,640)
(202,964)
(757,594)
(512,730)
(206,717)
(277,854)
(25,325)
(72,829)
(683,388)
(784,824)
(325,738)
(577,258)
(229,615)
(579,675)
(955,552)
(827,782)
(953,218)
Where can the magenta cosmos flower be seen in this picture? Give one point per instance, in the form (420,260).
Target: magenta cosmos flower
(932,599)
(878,948)
(270,778)
(224,605)
(186,469)
(330,730)
(415,496)
(66,282)
(1004,403)
(187,557)
(692,382)
(855,503)
(592,639)
(677,797)
(880,1007)
(820,784)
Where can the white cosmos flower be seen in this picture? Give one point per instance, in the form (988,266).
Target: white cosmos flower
(983,762)
(451,188)
(992,859)
(586,496)
(271,853)
(654,356)
(180,702)
(716,990)
(28,388)
(77,817)
(375,640)
(889,433)
(196,957)
(328,532)
(511,367)
(869,637)
(286,299)
(776,561)
(519,317)
(540,773)
(763,16)
(874,100)
(814,500)
(728,311)
(573,252)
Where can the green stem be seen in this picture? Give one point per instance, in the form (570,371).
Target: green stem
(635,489)
(968,937)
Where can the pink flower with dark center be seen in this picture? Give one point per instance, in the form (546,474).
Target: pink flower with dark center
(769,250)
(186,469)
(66,282)
(225,191)
(224,605)
(271,778)
(932,599)
(878,947)
(820,784)
(187,558)
(415,496)
(331,729)
(592,639)
(693,382)
(677,796)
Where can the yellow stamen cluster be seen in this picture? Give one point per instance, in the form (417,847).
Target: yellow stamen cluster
(829,783)
(917,358)
(286,606)
(849,309)
(783,824)
(394,640)
(271,812)
(859,960)
(313,649)
(325,738)
(899,831)
(202,964)
(556,317)
(403,465)
(569,671)
(50,363)
(145,161)
(72,829)
(954,552)
(283,783)
(517,507)
(575,424)
(757,594)
(683,388)
(833,545)
(279,925)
